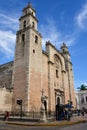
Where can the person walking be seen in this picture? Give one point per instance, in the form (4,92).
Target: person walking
(68,115)
(82,112)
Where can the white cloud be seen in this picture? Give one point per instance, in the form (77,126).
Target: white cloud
(7,43)
(51,33)
(81,17)
(8,22)
(9,18)
(8,27)
(70,39)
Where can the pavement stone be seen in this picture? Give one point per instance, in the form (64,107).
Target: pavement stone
(74,120)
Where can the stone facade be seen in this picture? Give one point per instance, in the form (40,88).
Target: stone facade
(6,86)
(6,75)
(5,100)
(35,70)
(81,99)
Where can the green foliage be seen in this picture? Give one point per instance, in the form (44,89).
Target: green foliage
(82,87)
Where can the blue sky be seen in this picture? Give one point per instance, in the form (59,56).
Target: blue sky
(59,21)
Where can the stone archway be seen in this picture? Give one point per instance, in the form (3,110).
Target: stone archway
(59,97)
(58,100)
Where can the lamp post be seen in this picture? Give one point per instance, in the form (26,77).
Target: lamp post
(19,102)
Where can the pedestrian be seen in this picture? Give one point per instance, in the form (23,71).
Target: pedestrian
(65,113)
(68,115)
(78,112)
(82,112)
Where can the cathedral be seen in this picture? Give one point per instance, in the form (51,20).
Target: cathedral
(34,71)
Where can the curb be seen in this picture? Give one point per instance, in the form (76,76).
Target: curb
(47,124)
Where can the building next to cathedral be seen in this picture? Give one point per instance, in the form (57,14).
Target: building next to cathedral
(81,99)
(35,70)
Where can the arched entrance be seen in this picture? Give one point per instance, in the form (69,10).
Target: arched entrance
(59,103)
(58,100)
(59,97)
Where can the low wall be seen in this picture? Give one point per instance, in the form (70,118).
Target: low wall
(5,99)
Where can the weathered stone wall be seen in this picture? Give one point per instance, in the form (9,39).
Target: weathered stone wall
(20,72)
(6,75)
(64,82)
(5,99)
(6,86)
(35,67)
(55,82)
(44,81)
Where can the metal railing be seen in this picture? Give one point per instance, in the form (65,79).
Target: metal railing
(28,115)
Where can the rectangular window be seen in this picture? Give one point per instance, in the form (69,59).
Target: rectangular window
(36,39)
(57,73)
(24,24)
(23,37)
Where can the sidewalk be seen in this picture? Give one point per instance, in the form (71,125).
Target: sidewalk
(74,120)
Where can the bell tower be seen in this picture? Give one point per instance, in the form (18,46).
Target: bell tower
(27,62)
(69,70)
(28,18)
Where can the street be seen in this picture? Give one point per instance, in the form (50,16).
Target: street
(80,126)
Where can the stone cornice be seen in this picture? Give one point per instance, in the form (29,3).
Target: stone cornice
(29,27)
(50,62)
(11,62)
(58,90)
(28,15)
(48,43)
(36,32)
(63,71)
(44,52)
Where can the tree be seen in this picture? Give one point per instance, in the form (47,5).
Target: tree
(82,87)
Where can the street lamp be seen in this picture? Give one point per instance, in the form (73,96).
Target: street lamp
(19,102)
